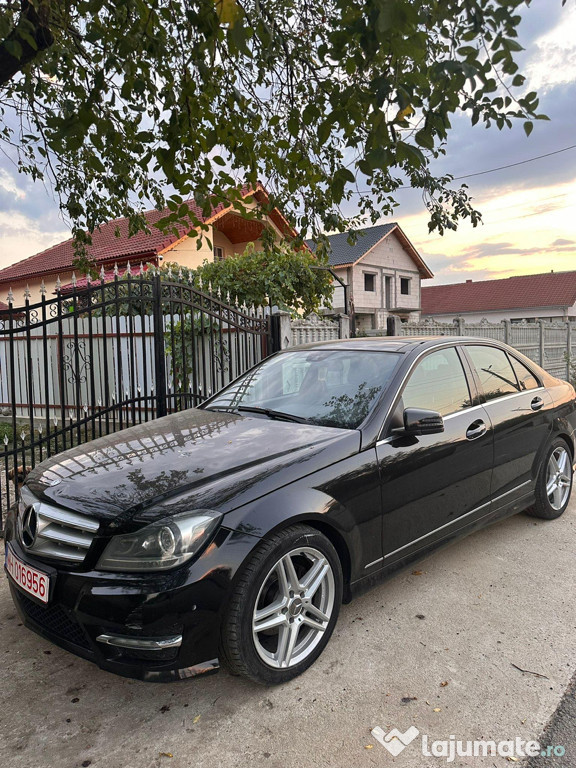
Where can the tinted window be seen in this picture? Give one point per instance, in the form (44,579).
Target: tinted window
(496,374)
(438,383)
(525,377)
(369,282)
(405,286)
(327,387)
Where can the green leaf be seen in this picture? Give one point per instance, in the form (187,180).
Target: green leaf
(324,130)
(424,138)
(528,128)
(410,154)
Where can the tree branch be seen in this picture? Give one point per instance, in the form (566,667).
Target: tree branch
(30,35)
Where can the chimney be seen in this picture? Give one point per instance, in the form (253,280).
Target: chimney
(468,281)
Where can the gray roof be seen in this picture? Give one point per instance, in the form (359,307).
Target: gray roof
(341,252)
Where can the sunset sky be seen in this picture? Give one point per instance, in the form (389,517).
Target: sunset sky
(529,211)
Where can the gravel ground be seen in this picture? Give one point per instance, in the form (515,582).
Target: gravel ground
(440,647)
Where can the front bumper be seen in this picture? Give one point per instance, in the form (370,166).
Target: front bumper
(139,613)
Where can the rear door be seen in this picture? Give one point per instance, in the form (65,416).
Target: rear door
(521,411)
(434,483)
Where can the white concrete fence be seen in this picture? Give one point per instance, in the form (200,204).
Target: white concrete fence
(551,345)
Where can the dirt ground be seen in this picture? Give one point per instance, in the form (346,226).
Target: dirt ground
(440,648)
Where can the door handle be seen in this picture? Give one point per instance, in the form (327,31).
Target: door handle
(476,430)
(537,403)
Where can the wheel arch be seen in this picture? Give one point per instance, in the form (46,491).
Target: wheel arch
(333,535)
(568,439)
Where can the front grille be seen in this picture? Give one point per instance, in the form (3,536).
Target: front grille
(55,620)
(52,532)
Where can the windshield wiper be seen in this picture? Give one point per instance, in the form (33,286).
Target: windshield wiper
(272,414)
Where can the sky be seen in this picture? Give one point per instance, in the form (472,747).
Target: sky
(529,211)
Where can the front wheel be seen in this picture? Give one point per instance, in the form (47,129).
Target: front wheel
(554,484)
(284,607)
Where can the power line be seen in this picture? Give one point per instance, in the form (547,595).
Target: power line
(491,170)
(512,165)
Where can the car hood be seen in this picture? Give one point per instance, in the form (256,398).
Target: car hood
(194,459)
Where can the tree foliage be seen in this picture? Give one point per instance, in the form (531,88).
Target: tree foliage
(120,105)
(279,275)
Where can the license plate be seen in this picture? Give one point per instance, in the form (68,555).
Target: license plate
(29,579)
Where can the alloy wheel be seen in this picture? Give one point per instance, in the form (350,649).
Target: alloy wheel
(293,607)
(558,478)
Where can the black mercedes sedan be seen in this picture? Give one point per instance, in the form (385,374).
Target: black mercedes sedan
(232,533)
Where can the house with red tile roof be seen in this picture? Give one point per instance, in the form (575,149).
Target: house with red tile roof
(228,233)
(550,296)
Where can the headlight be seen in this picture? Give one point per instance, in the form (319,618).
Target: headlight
(161,545)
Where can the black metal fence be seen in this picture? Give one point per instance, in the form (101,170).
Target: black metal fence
(82,364)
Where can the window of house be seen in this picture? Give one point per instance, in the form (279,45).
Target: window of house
(496,374)
(438,383)
(405,286)
(525,377)
(369,282)
(218,253)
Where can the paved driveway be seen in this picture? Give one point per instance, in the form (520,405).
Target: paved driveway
(433,649)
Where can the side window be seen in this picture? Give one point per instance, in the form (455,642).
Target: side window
(438,383)
(526,378)
(497,376)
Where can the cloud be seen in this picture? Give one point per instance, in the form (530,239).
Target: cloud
(22,236)
(552,58)
(8,185)
(487,260)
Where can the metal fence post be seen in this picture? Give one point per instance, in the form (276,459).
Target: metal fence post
(541,340)
(159,354)
(507,334)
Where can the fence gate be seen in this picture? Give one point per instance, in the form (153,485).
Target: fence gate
(98,359)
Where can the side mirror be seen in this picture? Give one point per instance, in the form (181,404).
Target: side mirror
(418,421)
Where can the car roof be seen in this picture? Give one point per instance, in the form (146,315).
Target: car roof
(401,344)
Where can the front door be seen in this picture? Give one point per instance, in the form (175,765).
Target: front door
(434,483)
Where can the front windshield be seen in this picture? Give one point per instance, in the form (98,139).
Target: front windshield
(335,388)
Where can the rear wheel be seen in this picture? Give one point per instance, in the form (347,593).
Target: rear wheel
(284,607)
(554,484)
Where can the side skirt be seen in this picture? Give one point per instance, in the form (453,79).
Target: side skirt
(360,586)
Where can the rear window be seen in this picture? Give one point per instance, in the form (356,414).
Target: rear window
(496,374)
(525,377)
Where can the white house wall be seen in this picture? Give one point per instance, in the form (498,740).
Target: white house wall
(531,313)
(387,259)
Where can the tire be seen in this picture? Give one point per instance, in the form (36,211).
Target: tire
(293,582)
(554,484)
